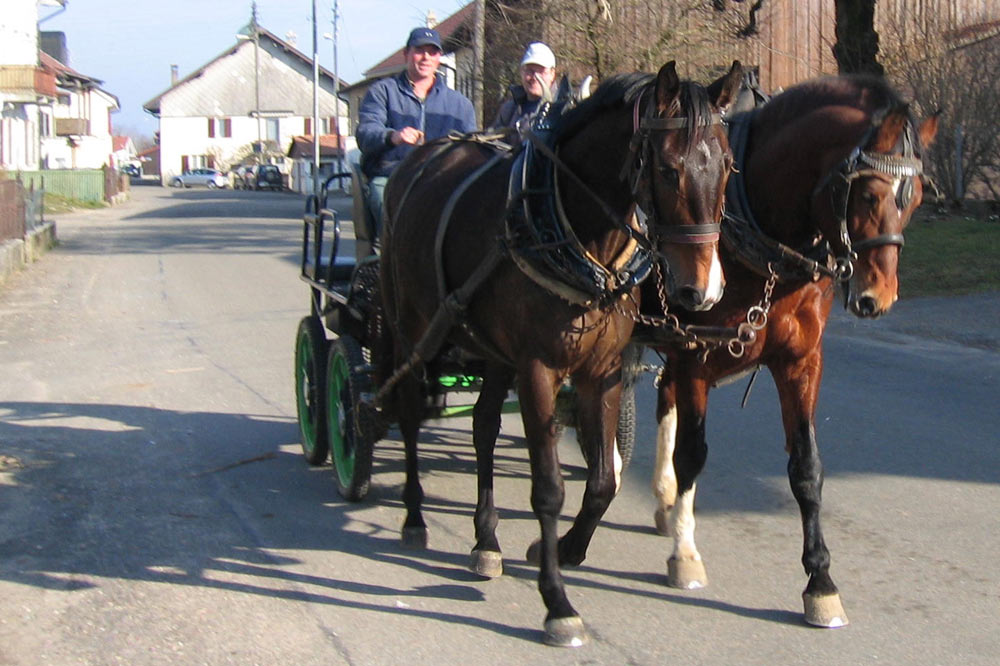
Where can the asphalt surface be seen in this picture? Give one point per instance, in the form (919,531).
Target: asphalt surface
(155,507)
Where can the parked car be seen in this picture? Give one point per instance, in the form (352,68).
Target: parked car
(240,175)
(265,175)
(210,178)
(131,170)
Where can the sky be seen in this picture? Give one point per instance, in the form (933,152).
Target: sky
(131,44)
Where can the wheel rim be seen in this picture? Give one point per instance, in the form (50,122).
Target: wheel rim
(306,388)
(339,408)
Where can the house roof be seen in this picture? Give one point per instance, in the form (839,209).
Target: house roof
(153,105)
(67,77)
(450,30)
(65,71)
(302,146)
(119,143)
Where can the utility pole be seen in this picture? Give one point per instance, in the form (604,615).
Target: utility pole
(336,96)
(259,149)
(316,125)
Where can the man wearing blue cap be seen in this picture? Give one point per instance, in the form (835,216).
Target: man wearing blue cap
(406,110)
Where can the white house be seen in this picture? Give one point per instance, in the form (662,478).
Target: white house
(27,90)
(259,92)
(81,130)
(123,151)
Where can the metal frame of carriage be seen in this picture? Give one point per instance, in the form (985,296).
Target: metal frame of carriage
(334,384)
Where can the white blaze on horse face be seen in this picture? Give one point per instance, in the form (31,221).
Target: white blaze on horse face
(716,281)
(705,151)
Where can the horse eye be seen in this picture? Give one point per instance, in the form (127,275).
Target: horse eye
(870,198)
(670,175)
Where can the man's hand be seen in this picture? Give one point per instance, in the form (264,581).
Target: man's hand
(410,135)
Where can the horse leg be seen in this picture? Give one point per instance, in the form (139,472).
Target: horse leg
(537,387)
(598,401)
(486,558)
(798,388)
(689,396)
(664,478)
(411,400)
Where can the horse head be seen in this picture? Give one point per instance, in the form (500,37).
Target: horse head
(687,160)
(874,193)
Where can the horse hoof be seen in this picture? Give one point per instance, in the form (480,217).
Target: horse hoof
(824,611)
(487,563)
(414,538)
(662,517)
(566,632)
(686,574)
(534,554)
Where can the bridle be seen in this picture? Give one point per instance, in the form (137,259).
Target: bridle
(904,166)
(640,154)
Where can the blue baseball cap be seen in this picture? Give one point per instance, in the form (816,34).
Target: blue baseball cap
(423,37)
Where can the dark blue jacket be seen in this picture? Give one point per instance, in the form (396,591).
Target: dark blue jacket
(391,105)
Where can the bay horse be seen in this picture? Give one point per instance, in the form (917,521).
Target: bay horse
(460,271)
(831,177)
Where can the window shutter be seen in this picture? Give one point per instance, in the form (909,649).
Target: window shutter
(332,125)
(309,126)
(227,127)
(210,161)
(211,128)
(184,163)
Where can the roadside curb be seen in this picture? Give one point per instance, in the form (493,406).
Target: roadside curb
(18,253)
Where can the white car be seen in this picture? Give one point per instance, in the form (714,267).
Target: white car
(210,178)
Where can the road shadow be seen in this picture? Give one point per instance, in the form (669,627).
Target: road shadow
(92,491)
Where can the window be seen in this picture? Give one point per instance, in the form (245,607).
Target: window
(272,130)
(220,127)
(309,126)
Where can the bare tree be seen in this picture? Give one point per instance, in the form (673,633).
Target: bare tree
(954,71)
(856,49)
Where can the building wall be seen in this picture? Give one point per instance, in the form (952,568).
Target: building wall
(19,32)
(226,89)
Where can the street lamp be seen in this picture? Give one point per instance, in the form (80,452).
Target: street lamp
(252,32)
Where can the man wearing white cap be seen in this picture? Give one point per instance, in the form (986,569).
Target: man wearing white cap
(538,73)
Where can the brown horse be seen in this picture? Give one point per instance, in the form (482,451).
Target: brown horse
(831,173)
(653,142)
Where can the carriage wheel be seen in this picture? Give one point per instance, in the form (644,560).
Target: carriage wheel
(310,388)
(625,430)
(352,431)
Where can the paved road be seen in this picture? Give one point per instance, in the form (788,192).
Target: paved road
(154,507)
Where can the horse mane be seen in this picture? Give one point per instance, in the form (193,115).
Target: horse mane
(622,89)
(869,93)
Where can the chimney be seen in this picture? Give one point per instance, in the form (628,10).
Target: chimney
(173,75)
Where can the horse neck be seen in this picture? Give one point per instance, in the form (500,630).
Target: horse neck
(787,158)
(595,155)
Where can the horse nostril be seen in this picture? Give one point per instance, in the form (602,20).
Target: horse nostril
(690,297)
(865,306)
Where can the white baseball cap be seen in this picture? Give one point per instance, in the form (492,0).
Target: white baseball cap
(539,54)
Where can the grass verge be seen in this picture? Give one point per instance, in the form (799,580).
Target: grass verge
(57,203)
(950,253)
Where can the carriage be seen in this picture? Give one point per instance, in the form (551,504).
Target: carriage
(337,343)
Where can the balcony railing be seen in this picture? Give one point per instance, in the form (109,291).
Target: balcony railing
(27,81)
(72,127)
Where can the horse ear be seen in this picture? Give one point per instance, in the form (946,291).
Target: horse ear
(890,128)
(928,129)
(584,92)
(668,86)
(723,92)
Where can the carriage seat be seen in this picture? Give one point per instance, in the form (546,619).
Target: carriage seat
(339,273)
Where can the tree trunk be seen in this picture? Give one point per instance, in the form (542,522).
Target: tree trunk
(856,49)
